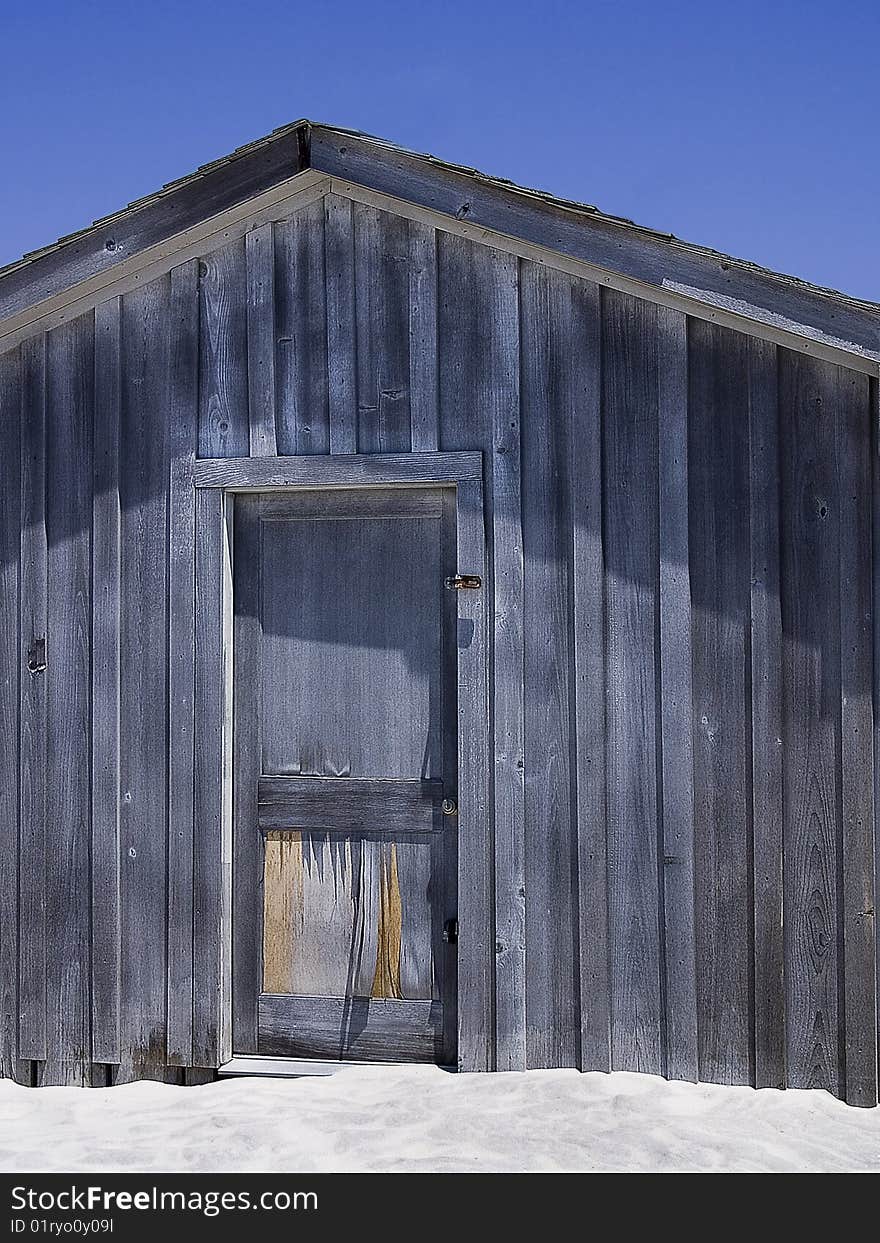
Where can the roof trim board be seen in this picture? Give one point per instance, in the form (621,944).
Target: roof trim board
(303,161)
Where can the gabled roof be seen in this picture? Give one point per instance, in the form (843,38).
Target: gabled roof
(586,240)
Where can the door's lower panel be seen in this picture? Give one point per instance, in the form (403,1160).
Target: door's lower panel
(355,1028)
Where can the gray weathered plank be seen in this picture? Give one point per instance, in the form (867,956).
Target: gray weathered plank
(303,420)
(183,442)
(247,852)
(341,323)
(423,386)
(223,349)
(550,846)
(143,735)
(11,666)
(69,405)
(469,357)
(720,559)
(766,740)
(632,556)
(33,628)
(350,1028)
(260,258)
(856,740)
(811,716)
(344,470)
(106,520)
(355,804)
(212,1036)
(382,278)
(677,770)
(587,728)
(476,1044)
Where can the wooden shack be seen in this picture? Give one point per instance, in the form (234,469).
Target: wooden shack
(437,622)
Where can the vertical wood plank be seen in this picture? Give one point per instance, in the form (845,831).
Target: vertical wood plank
(856,738)
(475,966)
(341,323)
(502,399)
(106,519)
(212,1043)
(677,766)
(223,361)
(183,440)
(632,556)
(260,256)
(552,974)
(423,380)
(766,740)
(32,739)
(382,279)
(143,736)
(11,665)
(303,421)
(247,840)
(70,403)
(811,714)
(720,561)
(587,729)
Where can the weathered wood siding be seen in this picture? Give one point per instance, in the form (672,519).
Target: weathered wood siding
(681,584)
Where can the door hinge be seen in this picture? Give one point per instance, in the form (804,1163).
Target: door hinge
(464,582)
(450,931)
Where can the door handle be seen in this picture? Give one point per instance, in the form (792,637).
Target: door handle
(450,931)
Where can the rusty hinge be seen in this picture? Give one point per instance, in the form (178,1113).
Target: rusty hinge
(464,582)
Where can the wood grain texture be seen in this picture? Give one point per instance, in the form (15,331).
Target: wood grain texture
(720,585)
(857,895)
(106,621)
(472,360)
(261,335)
(382,281)
(476,985)
(143,745)
(675,690)
(223,354)
(11,665)
(247,848)
(632,556)
(341,323)
(423,379)
(358,804)
(808,413)
(212,880)
(70,401)
(766,723)
(337,471)
(183,443)
(351,1029)
(552,976)
(587,672)
(303,418)
(33,757)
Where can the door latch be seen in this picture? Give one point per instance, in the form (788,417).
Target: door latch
(464,582)
(450,931)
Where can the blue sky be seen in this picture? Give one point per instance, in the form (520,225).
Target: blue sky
(750,127)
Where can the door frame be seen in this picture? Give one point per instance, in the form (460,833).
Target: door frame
(216,481)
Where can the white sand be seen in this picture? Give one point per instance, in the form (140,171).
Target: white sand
(420,1118)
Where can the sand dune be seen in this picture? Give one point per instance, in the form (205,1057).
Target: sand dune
(420,1118)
